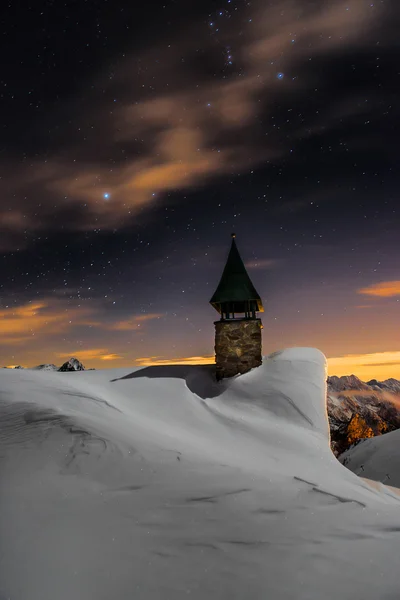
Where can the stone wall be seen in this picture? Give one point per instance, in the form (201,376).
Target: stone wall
(237,346)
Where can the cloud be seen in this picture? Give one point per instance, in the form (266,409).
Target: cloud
(383,395)
(48,318)
(384,289)
(40,331)
(134,322)
(34,319)
(188,360)
(110,356)
(364,306)
(174,127)
(91,354)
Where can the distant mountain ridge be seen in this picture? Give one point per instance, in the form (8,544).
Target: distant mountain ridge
(347,382)
(352,382)
(72,364)
(388,384)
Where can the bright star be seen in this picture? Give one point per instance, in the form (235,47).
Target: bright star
(106,196)
(280,75)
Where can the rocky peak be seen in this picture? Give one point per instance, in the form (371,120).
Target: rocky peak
(73,364)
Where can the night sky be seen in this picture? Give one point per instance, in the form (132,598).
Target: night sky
(134,141)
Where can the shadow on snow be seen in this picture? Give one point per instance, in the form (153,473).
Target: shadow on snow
(200,379)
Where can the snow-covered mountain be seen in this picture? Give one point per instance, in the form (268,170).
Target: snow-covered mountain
(391,385)
(360,410)
(73,364)
(158,483)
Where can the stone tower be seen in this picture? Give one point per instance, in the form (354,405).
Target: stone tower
(238,332)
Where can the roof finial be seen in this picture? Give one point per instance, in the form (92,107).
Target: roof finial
(233,235)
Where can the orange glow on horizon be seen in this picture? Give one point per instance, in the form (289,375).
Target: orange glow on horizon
(190,360)
(31,336)
(378,365)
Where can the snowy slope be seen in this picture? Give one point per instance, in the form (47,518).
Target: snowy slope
(158,483)
(376,458)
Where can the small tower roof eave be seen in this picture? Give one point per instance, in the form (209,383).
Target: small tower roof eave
(260,307)
(235,284)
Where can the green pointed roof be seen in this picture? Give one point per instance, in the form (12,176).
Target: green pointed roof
(235,284)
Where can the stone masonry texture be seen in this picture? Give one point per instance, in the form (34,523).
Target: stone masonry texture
(237,346)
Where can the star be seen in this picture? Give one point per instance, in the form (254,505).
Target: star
(106,196)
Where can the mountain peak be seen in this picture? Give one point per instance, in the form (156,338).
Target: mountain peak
(46,367)
(73,364)
(347,382)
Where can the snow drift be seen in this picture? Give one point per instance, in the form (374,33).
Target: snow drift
(159,483)
(376,458)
